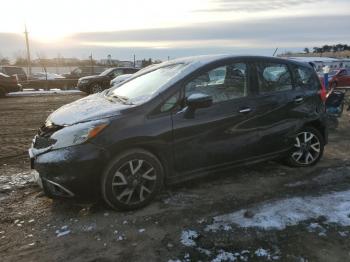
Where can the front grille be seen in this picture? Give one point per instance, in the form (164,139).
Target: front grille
(43,142)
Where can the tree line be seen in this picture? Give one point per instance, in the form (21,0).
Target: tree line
(328,48)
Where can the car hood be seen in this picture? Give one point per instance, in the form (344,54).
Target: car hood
(92,77)
(90,108)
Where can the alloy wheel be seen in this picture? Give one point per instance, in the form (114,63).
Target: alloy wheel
(134,182)
(96,88)
(307,148)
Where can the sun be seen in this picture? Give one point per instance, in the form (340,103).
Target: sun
(47,35)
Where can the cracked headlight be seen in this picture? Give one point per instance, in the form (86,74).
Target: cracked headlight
(78,133)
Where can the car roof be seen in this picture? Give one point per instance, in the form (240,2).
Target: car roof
(193,63)
(202,60)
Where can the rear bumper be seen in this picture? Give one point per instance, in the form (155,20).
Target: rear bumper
(70,172)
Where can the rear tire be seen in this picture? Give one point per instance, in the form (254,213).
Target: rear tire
(132,180)
(308,148)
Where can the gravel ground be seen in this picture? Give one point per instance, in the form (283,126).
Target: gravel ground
(219,218)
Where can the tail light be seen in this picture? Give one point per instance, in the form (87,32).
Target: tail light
(323,92)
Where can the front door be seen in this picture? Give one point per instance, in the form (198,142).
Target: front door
(215,135)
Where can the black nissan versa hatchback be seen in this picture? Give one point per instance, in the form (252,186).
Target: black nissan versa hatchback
(179,120)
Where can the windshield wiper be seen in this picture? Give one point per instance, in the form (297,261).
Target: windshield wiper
(122,99)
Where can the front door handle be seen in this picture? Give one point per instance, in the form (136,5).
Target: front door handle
(245,110)
(298,99)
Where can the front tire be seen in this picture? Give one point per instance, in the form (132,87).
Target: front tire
(307,149)
(132,180)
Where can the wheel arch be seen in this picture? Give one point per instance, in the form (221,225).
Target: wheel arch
(156,149)
(320,127)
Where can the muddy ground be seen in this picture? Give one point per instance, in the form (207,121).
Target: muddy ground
(175,226)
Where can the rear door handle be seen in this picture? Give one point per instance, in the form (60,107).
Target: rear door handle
(298,99)
(245,110)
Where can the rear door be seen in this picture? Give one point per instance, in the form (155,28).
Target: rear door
(305,101)
(274,92)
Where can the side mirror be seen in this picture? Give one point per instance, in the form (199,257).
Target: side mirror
(199,100)
(195,101)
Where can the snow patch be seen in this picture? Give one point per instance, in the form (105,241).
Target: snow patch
(42,92)
(335,207)
(7,183)
(188,237)
(63,231)
(224,256)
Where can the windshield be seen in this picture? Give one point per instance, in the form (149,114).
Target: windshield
(142,88)
(106,72)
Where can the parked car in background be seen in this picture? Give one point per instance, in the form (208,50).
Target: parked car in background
(120,79)
(179,120)
(82,71)
(98,83)
(14,71)
(339,78)
(46,76)
(8,84)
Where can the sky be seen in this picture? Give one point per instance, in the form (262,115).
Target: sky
(162,28)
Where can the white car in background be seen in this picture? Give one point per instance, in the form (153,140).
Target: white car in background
(46,76)
(120,79)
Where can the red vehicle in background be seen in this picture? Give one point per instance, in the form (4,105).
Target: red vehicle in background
(339,78)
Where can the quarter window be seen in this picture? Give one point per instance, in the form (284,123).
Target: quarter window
(273,77)
(222,83)
(305,78)
(170,103)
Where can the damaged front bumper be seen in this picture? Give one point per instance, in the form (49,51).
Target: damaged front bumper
(69,172)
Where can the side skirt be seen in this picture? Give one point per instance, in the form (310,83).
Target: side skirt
(178,178)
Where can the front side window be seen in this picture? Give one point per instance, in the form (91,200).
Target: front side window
(117,72)
(305,78)
(273,77)
(222,83)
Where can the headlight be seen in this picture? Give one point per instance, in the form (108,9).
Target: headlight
(83,81)
(77,134)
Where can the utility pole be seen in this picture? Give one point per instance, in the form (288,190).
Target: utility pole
(29,66)
(92,64)
(275,51)
(134,61)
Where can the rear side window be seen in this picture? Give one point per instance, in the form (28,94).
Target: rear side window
(273,77)
(305,78)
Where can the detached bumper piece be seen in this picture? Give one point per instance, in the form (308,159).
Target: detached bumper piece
(55,189)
